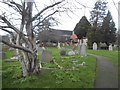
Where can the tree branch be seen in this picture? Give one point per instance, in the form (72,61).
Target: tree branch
(45,18)
(15,46)
(14,28)
(6,30)
(45,10)
(9,24)
(17,8)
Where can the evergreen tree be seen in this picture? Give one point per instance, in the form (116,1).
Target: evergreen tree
(97,15)
(82,27)
(108,29)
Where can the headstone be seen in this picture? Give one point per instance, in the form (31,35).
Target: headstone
(63,44)
(40,49)
(82,49)
(43,48)
(63,51)
(46,56)
(94,46)
(71,53)
(115,46)
(85,41)
(23,44)
(103,46)
(110,47)
(58,45)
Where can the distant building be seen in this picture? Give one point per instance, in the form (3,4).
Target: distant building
(54,35)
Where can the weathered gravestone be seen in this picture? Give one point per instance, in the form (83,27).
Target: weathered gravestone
(110,47)
(40,49)
(63,51)
(70,53)
(94,46)
(46,56)
(83,49)
(58,45)
(103,46)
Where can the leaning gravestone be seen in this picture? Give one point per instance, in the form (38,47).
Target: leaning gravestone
(63,52)
(94,46)
(110,47)
(46,56)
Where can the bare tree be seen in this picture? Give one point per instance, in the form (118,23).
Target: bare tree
(24,34)
(25,39)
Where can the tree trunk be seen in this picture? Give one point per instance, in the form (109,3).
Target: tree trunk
(30,64)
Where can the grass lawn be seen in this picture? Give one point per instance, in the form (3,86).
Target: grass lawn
(113,55)
(81,77)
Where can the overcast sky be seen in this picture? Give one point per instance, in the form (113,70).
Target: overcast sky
(68,23)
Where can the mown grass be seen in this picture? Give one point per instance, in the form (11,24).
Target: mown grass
(112,55)
(80,77)
(8,53)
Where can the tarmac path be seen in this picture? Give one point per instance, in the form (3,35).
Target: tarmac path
(106,73)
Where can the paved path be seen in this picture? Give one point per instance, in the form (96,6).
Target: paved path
(106,73)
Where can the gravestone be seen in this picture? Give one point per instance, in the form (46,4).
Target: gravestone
(82,46)
(103,46)
(43,48)
(94,46)
(40,49)
(58,45)
(110,47)
(71,53)
(46,56)
(82,49)
(115,46)
(63,44)
(63,51)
